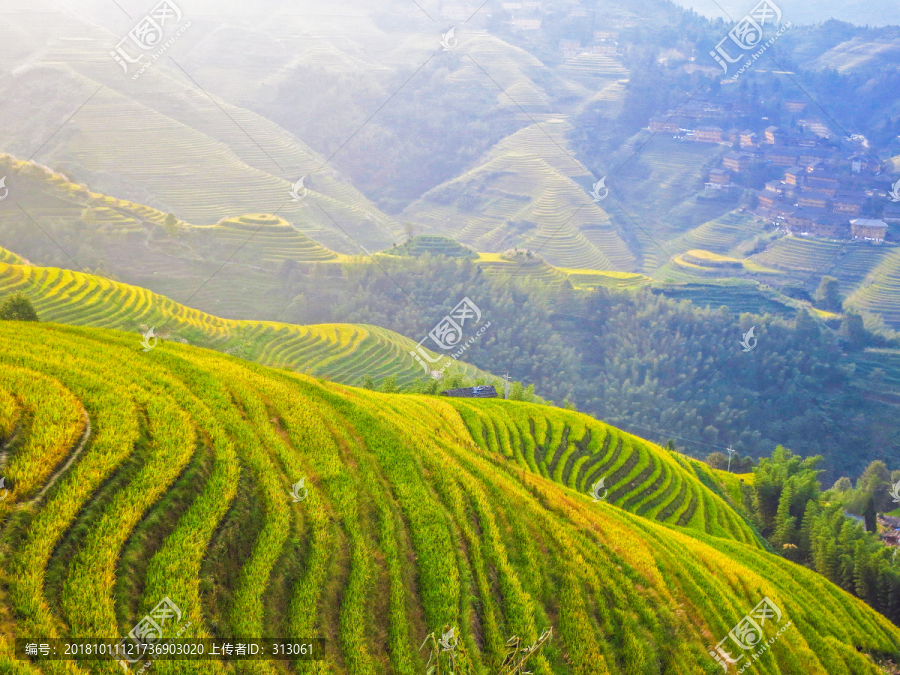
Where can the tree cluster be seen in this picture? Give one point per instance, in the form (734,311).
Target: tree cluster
(813,528)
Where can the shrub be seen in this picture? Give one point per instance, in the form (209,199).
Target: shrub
(17,307)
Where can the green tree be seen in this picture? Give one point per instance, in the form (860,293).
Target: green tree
(17,307)
(808,529)
(875,481)
(517,392)
(861,572)
(853,332)
(828,295)
(869,515)
(717,460)
(772,476)
(171,224)
(785,524)
(842,484)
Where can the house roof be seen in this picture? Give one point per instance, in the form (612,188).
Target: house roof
(869,222)
(858,201)
(810,213)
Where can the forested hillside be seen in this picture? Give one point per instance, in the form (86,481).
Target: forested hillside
(659,367)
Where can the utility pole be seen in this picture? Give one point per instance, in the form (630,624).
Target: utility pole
(506,385)
(731,452)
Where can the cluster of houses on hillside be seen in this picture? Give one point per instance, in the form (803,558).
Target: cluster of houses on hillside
(814,199)
(824,190)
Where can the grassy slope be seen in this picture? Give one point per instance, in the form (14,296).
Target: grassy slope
(342,352)
(529,179)
(410,523)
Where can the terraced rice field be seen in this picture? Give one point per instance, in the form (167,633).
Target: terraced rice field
(10,258)
(577,451)
(113,222)
(880,291)
(496,264)
(879,370)
(663,173)
(697,263)
(739,295)
(419,513)
(342,352)
(723,234)
(507,66)
(434,246)
(848,262)
(527,195)
(265,238)
(585,279)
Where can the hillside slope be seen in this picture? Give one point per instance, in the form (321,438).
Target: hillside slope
(577,451)
(181,490)
(341,352)
(528,191)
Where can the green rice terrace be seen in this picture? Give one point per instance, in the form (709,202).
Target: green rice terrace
(135,476)
(342,352)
